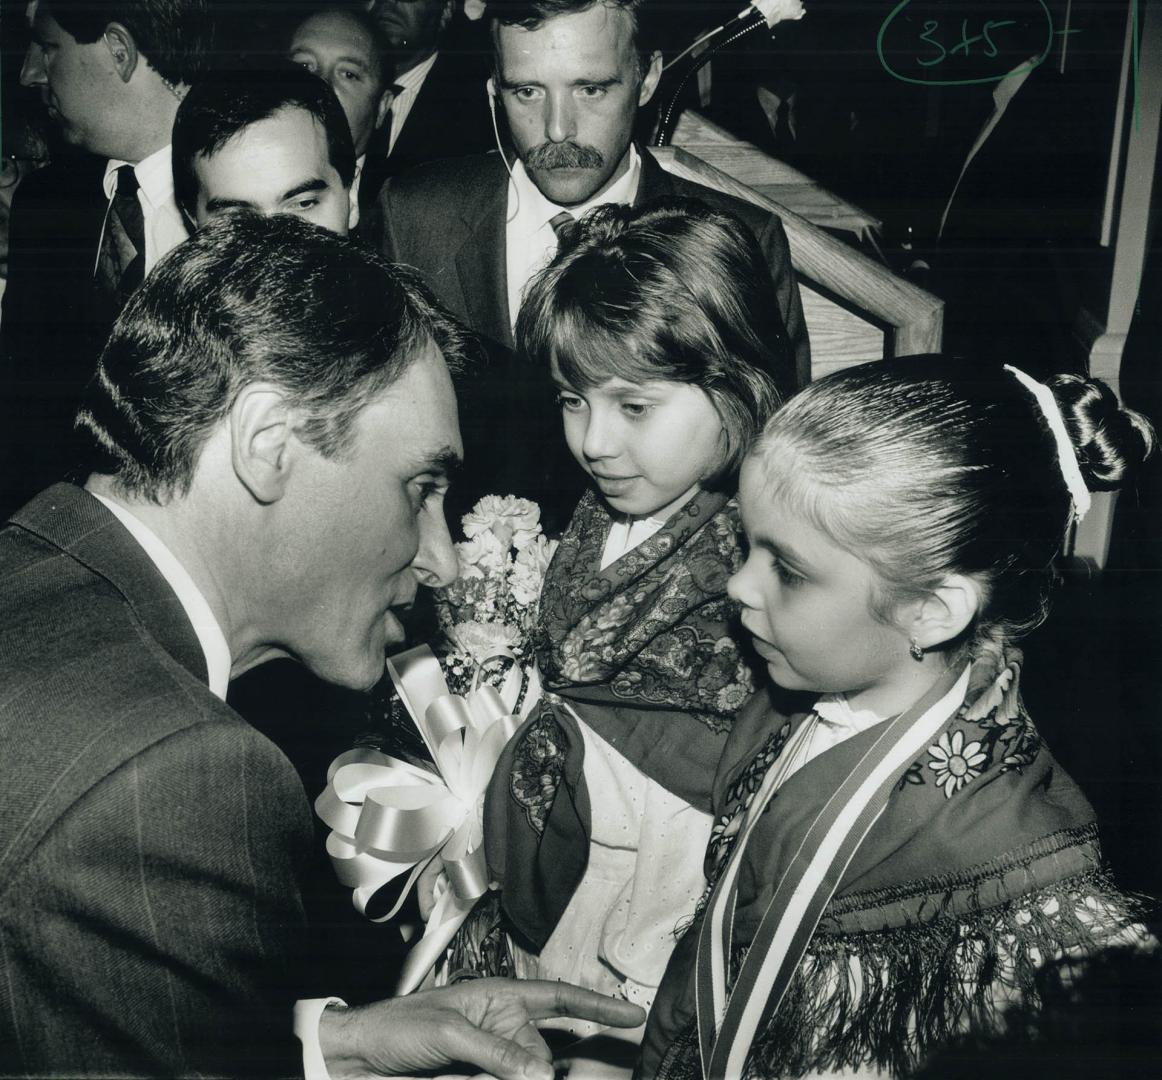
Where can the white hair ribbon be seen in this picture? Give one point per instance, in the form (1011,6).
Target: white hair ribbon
(1066,455)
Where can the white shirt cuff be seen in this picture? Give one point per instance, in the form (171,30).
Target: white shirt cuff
(308,1013)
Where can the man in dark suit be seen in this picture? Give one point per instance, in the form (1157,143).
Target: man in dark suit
(347,49)
(440,108)
(273,424)
(570,76)
(275,141)
(86,229)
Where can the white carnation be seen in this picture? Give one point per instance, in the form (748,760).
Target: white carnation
(528,572)
(481,554)
(511,520)
(482,640)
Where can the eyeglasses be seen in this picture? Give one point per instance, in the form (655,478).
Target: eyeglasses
(13,167)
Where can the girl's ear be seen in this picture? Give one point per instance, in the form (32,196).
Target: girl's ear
(945,613)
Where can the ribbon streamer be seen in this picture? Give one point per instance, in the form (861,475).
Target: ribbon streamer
(389,818)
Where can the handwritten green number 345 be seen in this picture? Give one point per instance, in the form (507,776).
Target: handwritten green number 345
(931,47)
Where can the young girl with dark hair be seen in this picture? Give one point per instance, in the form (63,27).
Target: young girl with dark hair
(890,869)
(661,331)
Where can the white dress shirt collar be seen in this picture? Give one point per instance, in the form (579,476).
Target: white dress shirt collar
(154,175)
(164,225)
(1003,94)
(835,711)
(353,192)
(530,242)
(197,609)
(408,86)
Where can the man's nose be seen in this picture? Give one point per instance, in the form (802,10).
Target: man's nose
(33,71)
(435,563)
(560,118)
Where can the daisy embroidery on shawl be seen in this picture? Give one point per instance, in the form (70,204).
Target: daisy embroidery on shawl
(954,763)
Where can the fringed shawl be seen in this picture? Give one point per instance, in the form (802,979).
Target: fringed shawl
(645,653)
(984,865)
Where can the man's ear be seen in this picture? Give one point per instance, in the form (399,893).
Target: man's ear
(262,441)
(945,613)
(122,48)
(650,80)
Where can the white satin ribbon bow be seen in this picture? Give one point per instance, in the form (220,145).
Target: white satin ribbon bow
(389,818)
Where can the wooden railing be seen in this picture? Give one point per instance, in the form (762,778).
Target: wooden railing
(856,309)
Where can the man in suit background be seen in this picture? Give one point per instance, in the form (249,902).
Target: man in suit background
(347,49)
(85,230)
(273,426)
(440,108)
(275,141)
(570,77)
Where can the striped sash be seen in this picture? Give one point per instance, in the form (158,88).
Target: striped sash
(727,1025)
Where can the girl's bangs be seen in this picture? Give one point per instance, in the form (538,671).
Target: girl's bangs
(588,354)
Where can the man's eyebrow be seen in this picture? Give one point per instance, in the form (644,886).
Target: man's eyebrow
(307,186)
(445,460)
(607,81)
(214,205)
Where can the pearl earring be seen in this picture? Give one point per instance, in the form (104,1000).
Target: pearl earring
(914,649)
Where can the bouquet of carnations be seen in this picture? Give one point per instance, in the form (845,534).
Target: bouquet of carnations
(390,818)
(487,614)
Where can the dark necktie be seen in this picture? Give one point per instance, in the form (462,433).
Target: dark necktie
(121,263)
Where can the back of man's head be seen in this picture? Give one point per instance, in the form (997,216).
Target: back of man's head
(225,103)
(251,299)
(177,37)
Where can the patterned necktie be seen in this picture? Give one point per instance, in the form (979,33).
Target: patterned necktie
(121,263)
(559,221)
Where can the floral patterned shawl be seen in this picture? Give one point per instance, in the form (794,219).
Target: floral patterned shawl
(643,652)
(975,873)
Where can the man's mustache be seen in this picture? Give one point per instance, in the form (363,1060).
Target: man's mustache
(565,155)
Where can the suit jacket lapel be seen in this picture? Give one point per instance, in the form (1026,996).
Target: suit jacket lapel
(72,520)
(654,182)
(481,260)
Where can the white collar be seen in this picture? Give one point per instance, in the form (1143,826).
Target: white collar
(835,711)
(536,211)
(353,193)
(1007,88)
(154,176)
(414,77)
(197,609)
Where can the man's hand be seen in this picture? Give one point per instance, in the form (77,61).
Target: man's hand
(488,1024)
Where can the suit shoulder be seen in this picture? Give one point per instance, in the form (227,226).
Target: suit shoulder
(85,688)
(447,182)
(756,217)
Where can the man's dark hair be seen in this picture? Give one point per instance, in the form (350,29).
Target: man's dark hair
(254,299)
(177,37)
(530,14)
(224,103)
